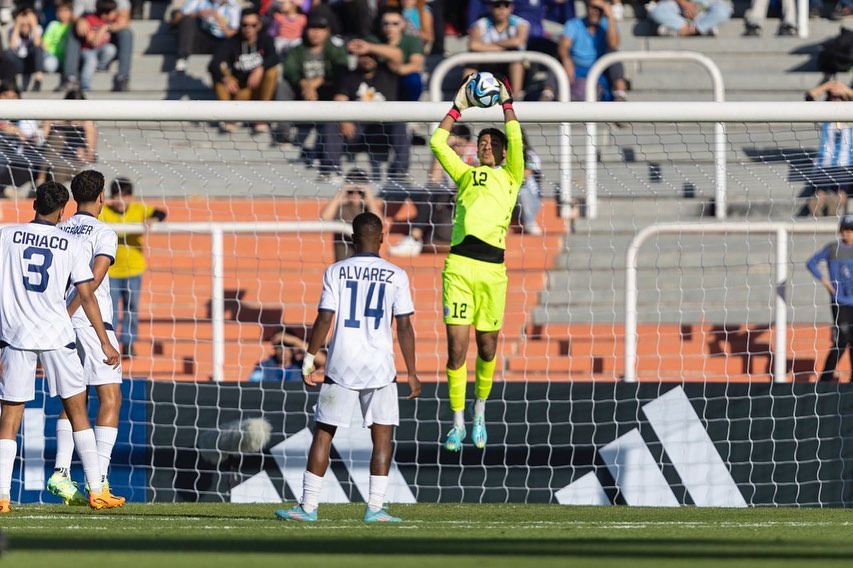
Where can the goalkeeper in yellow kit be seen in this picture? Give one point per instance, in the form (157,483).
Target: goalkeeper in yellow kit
(474,277)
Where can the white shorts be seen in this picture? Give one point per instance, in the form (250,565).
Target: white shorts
(95,371)
(61,366)
(378,406)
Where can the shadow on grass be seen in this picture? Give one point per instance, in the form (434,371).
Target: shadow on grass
(722,549)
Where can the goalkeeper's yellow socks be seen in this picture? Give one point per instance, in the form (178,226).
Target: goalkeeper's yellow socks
(485,371)
(456,382)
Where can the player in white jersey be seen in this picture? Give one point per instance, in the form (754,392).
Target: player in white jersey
(100,241)
(37,260)
(363,294)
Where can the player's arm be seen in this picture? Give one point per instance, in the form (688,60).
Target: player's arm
(515,145)
(406,340)
(446,156)
(319,331)
(812,264)
(86,293)
(99,270)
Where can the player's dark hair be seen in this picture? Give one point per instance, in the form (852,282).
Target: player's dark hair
(50,197)
(105,6)
(366,227)
(87,186)
(499,141)
(121,186)
(461,130)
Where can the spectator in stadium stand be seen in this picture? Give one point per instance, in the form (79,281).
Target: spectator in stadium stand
(391,32)
(584,41)
(285,362)
(245,67)
(501,30)
(24,55)
(70,145)
(96,50)
(285,24)
(757,13)
(530,194)
(20,141)
(119,33)
(419,20)
(843,9)
(311,71)
(686,18)
(830,181)
(371,83)
(55,37)
(431,226)
(129,266)
(354,197)
(203,25)
(838,256)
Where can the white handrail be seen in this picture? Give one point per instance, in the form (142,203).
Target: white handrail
(217,257)
(781,229)
(592,128)
(563,95)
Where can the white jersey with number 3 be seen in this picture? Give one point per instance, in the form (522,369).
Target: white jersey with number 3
(100,240)
(365,292)
(37,262)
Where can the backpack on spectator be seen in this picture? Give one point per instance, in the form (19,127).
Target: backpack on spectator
(836,55)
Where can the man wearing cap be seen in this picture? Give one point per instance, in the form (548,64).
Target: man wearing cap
(500,31)
(838,256)
(311,70)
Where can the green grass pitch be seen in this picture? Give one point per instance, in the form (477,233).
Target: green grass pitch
(475,536)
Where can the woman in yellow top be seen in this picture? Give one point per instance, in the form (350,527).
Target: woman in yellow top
(474,277)
(126,272)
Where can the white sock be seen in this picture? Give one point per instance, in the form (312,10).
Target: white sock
(64,444)
(378,487)
(8,451)
(106,439)
(87,449)
(311,485)
(459,418)
(480,407)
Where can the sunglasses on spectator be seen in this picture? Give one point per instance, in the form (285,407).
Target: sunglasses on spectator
(355,191)
(392,23)
(250,24)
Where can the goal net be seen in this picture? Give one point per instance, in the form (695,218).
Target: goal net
(724,336)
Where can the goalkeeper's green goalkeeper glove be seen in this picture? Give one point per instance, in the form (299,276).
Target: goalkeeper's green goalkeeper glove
(460,102)
(505,98)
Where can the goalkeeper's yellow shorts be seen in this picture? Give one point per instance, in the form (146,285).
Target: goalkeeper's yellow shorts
(473,292)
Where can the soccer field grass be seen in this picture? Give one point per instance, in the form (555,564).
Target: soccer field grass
(189,535)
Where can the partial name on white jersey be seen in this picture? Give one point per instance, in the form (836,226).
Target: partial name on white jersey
(100,240)
(365,292)
(37,262)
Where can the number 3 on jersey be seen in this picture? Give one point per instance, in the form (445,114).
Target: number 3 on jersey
(369,312)
(40,260)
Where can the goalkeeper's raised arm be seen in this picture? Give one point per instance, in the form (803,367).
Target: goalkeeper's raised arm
(474,280)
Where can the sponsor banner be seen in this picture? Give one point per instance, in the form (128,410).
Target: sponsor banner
(37,446)
(661,444)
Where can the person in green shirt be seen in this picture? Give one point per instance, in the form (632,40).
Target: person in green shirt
(55,36)
(474,279)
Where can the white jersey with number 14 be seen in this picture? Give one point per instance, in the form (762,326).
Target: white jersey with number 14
(365,292)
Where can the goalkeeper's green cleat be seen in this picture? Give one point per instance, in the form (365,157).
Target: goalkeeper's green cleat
(297,513)
(454,439)
(478,432)
(380,516)
(62,486)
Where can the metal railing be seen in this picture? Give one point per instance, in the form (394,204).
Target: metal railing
(563,95)
(782,230)
(592,128)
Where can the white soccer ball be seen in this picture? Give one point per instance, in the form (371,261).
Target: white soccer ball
(483,90)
